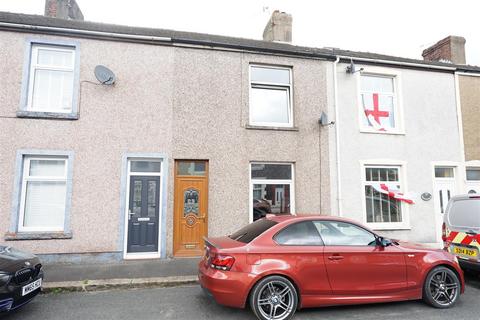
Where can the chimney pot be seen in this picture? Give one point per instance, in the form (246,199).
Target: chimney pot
(279,27)
(63,9)
(451,49)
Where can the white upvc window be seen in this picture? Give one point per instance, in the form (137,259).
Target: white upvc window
(270,96)
(43,194)
(473,174)
(51,78)
(382,211)
(271,189)
(380,103)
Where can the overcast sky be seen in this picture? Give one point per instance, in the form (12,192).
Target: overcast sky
(400,28)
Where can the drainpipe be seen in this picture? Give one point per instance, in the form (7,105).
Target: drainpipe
(337,137)
(460,132)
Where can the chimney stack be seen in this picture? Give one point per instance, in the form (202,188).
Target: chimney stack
(451,49)
(279,27)
(63,9)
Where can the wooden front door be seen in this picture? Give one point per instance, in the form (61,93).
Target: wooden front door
(190,207)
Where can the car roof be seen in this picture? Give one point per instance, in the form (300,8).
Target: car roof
(306,216)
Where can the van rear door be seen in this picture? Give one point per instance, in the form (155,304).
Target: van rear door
(463,227)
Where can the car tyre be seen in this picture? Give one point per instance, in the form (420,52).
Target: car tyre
(441,288)
(274,298)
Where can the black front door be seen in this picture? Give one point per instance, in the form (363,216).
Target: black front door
(143,212)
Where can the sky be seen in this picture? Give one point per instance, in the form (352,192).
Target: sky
(400,28)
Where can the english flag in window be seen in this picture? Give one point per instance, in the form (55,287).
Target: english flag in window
(393,192)
(378,110)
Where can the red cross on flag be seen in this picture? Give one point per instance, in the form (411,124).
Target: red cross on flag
(374,115)
(393,192)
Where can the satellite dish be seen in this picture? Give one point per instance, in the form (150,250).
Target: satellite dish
(104,75)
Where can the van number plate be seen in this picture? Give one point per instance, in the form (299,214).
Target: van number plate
(465,252)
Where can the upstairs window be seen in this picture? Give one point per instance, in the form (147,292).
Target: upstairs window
(270,96)
(51,79)
(378,103)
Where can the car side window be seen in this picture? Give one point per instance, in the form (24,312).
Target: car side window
(337,233)
(299,234)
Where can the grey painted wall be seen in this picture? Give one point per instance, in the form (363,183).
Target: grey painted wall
(181,102)
(431,134)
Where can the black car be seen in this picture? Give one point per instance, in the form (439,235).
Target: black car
(21,278)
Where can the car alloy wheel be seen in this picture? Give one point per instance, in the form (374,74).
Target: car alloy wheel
(441,288)
(274,298)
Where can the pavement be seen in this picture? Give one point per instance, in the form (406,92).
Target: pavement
(189,302)
(125,274)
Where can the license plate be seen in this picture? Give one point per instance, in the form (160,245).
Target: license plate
(31,287)
(465,252)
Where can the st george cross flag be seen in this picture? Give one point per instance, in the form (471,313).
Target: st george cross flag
(393,192)
(373,115)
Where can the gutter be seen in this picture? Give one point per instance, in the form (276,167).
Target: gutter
(399,63)
(99,34)
(156,39)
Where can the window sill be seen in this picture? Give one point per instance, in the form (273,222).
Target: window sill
(252,127)
(47,115)
(387,227)
(398,133)
(11,236)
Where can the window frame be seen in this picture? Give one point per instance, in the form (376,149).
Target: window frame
(24,157)
(397,99)
(402,182)
(272,86)
(321,244)
(253,181)
(472,168)
(31,50)
(376,236)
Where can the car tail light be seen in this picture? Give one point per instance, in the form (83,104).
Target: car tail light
(444,232)
(221,262)
(446,243)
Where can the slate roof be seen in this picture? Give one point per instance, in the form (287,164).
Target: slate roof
(208,40)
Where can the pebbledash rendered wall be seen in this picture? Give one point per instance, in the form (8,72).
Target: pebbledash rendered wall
(431,135)
(183,103)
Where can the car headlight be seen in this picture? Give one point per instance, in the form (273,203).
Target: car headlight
(4,278)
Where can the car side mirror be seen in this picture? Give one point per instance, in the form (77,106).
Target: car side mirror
(383,242)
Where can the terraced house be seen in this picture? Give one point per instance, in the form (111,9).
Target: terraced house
(126,143)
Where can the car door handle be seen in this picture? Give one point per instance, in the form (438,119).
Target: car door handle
(335,257)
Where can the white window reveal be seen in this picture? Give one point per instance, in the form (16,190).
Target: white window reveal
(270,96)
(44,193)
(378,101)
(51,78)
(271,189)
(383,197)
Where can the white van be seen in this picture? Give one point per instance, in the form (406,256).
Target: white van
(461,230)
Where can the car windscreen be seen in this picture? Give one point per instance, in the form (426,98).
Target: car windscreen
(465,213)
(253,230)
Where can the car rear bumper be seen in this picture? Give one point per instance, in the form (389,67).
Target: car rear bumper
(228,288)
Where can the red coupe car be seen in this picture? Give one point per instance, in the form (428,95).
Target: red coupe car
(283,263)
